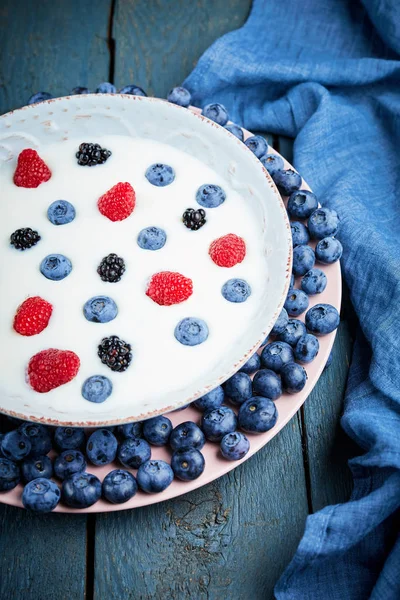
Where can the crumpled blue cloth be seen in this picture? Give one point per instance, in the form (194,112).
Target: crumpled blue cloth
(327,72)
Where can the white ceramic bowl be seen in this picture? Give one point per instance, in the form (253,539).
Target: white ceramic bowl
(82,117)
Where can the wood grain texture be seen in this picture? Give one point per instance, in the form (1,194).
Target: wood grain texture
(230,539)
(42,557)
(51,46)
(158,42)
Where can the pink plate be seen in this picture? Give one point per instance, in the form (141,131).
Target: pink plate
(216,466)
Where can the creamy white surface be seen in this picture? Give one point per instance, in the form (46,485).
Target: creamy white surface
(160,363)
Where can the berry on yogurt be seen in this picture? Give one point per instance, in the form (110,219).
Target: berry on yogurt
(118,202)
(167,288)
(32,316)
(61,212)
(160,175)
(56,267)
(236,290)
(97,389)
(152,238)
(191,331)
(210,195)
(100,309)
(31,170)
(48,369)
(228,250)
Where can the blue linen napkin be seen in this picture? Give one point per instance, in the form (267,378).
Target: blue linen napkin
(327,72)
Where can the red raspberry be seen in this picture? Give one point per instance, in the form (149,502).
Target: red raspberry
(31,170)
(228,251)
(166,288)
(32,316)
(51,368)
(118,203)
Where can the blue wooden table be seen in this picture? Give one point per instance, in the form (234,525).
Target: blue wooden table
(233,538)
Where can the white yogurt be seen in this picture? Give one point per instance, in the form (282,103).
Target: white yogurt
(160,363)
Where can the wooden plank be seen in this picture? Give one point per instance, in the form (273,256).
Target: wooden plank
(42,557)
(230,539)
(159,42)
(51,46)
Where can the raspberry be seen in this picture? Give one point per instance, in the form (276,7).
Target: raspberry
(32,316)
(51,368)
(31,170)
(167,288)
(228,251)
(118,203)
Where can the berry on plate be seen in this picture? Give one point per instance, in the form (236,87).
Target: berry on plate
(238,388)
(294,377)
(257,415)
(133,452)
(15,445)
(61,212)
(328,250)
(9,474)
(272,162)
(154,476)
(97,389)
(303,260)
(210,195)
(41,495)
(118,202)
(157,430)
(133,90)
(300,235)
(314,282)
(56,267)
(119,486)
(32,316)
(301,204)
(280,323)
(287,181)
(167,288)
(100,309)
(275,355)
(267,383)
(296,302)
(24,238)
(160,175)
(115,353)
(101,447)
(216,112)
(322,319)
(180,96)
(236,290)
(234,446)
(81,490)
(306,348)
(293,331)
(191,331)
(90,155)
(69,438)
(31,170)
(187,435)
(111,268)
(51,368)
(323,223)
(187,464)
(228,250)
(252,365)
(68,463)
(211,400)
(257,144)
(39,436)
(194,219)
(34,467)
(152,238)
(218,422)
(235,130)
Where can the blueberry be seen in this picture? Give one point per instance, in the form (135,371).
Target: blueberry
(212,400)
(77,91)
(272,162)
(100,309)
(41,495)
(314,282)
(280,323)
(238,388)
(131,430)
(291,285)
(133,452)
(69,438)
(101,447)
(39,437)
(15,445)
(160,175)
(210,195)
(106,88)
(329,361)
(257,144)
(252,365)
(157,430)
(303,260)
(68,463)
(323,223)
(34,467)
(55,267)
(267,383)
(187,464)
(218,422)
(154,476)
(294,377)
(275,355)
(216,112)
(306,348)
(152,238)
(301,204)
(236,290)
(322,319)
(292,332)
(296,302)
(180,96)
(191,331)
(133,90)
(328,250)
(234,446)
(119,486)
(61,212)
(300,235)
(39,97)
(81,490)
(257,415)
(9,474)
(187,435)
(97,388)
(235,130)
(287,181)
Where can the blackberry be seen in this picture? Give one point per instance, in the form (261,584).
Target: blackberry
(24,238)
(90,155)
(115,353)
(194,219)
(111,268)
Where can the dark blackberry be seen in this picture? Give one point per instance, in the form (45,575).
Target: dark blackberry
(111,268)
(194,218)
(90,155)
(24,238)
(115,353)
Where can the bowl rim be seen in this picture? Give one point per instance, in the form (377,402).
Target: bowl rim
(287,242)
